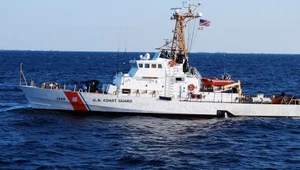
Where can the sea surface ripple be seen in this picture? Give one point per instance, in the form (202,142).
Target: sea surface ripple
(56,140)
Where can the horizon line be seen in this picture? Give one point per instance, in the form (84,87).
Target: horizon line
(148,52)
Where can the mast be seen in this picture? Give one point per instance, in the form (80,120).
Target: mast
(179,53)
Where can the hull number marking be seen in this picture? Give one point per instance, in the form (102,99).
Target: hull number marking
(60,98)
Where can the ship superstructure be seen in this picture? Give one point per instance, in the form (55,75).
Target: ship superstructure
(168,73)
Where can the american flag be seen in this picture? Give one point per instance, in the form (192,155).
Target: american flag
(203,23)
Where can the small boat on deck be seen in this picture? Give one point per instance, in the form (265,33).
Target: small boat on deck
(217,82)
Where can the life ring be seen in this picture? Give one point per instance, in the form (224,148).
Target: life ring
(191,87)
(154,93)
(172,63)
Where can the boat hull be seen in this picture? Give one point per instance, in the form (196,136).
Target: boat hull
(215,82)
(105,103)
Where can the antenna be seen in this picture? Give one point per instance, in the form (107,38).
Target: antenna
(119,50)
(126,39)
(22,75)
(173,9)
(187,4)
(178,8)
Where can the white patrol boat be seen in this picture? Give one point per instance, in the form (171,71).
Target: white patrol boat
(163,84)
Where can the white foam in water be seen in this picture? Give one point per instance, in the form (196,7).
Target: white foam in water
(4,107)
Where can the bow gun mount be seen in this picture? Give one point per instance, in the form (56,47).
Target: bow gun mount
(178,50)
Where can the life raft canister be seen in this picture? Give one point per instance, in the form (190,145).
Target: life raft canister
(191,87)
(171,63)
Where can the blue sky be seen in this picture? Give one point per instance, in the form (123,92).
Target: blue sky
(248,26)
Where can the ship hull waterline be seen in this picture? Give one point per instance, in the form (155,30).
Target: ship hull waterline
(83,102)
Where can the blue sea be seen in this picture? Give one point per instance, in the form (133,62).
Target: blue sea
(56,140)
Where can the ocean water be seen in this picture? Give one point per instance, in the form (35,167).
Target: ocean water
(56,140)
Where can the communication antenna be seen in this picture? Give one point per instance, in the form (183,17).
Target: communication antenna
(119,50)
(126,39)
(22,75)
(173,9)
(189,4)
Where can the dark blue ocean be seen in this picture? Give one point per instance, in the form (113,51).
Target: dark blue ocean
(56,140)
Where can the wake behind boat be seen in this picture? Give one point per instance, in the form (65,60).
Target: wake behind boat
(163,84)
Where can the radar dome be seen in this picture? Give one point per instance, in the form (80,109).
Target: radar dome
(147,56)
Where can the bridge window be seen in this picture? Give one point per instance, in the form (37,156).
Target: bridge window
(147,65)
(140,65)
(153,65)
(159,66)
